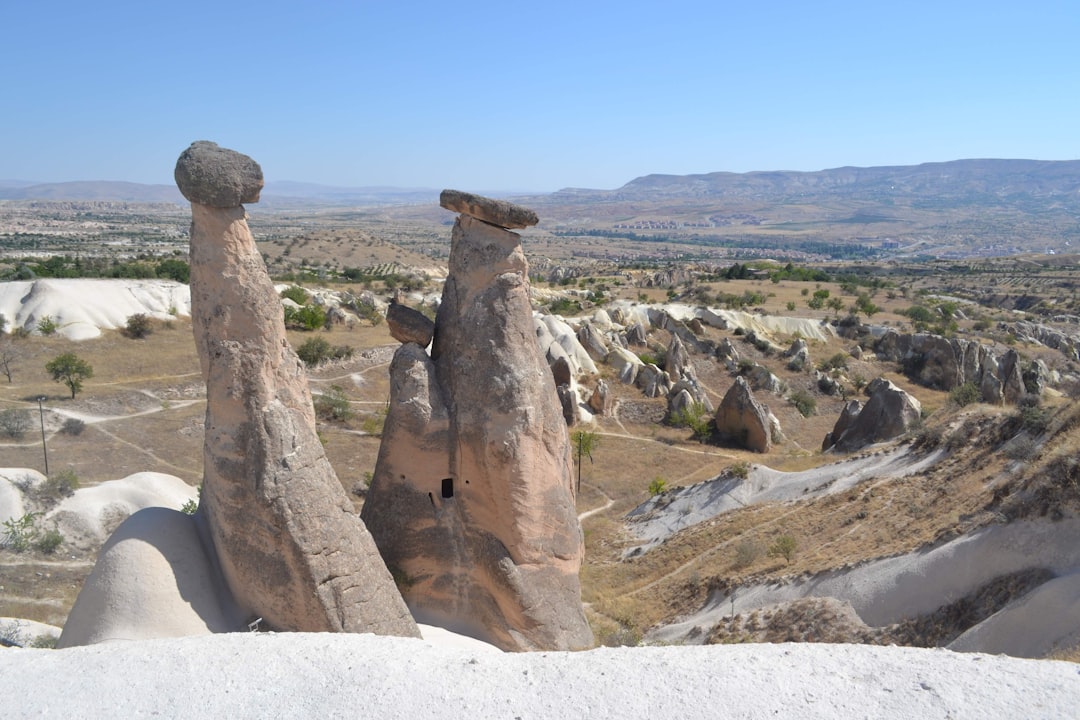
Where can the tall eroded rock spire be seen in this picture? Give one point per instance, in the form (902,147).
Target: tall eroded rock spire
(289,545)
(472,502)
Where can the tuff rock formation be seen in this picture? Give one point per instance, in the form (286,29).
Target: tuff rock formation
(472,500)
(602,400)
(743,420)
(887,414)
(677,359)
(946,363)
(283,531)
(275,538)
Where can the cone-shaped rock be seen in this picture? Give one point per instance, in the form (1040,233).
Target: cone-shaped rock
(744,420)
(472,503)
(289,545)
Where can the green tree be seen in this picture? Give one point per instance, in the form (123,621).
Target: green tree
(584,444)
(785,547)
(70,370)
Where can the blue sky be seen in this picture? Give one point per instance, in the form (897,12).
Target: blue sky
(528,95)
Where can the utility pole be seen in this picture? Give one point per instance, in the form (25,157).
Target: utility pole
(44,449)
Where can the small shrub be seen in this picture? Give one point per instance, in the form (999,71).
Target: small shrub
(47,326)
(138,326)
(836,362)
(308,317)
(49,541)
(373,424)
(20,533)
(804,402)
(15,422)
(190,507)
(657,486)
(296,293)
(740,470)
(746,553)
(1033,418)
(73,426)
(314,351)
(964,395)
(694,417)
(333,405)
(785,547)
(60,485)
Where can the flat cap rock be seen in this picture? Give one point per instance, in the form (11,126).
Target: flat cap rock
(217,177)
(497,212)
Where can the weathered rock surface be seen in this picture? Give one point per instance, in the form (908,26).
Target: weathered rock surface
(851,410)
(799,355)
(626,365)
(472,501)
(217,177)
(887,414)
(636,335)
(281,541)
(602,400)
(743,420)
(947,363)
(290,547)
(409,326)
(152,579)
(497,212)
(677,359)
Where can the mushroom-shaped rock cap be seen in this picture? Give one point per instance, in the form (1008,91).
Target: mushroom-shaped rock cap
(218,177)
(497,212)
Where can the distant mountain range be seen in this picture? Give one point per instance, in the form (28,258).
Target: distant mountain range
(969,180)
(994,178)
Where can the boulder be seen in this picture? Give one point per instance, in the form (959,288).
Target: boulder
(850,411)
(677,359)
(593,342)
(472,499)
(760,378)
(497,212)
(408,325)
(625,363)
(743,420)
(652,381)
(217,177)
(636,335)
(568,401)
(602,400)
(560,372)
(799,355)
(887,414)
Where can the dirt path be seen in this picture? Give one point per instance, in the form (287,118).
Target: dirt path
(595,511)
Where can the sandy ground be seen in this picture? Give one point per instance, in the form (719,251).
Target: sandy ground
(267,675)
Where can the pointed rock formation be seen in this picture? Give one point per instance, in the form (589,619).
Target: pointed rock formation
(283,531)
(602,400)
(677,359)
(743,420)
(472,501)
(275,538)
(887,414)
